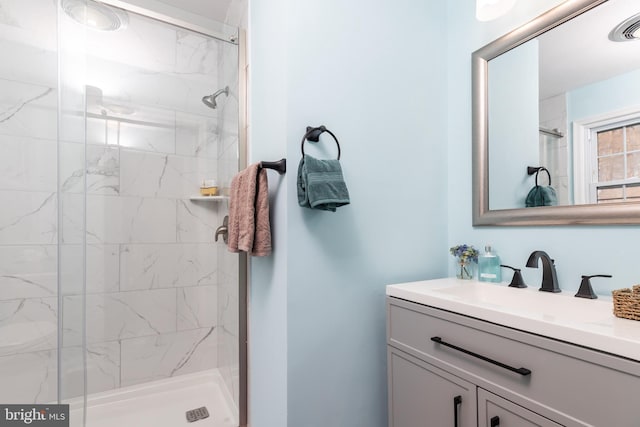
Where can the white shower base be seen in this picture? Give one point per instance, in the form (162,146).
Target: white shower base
(160,403)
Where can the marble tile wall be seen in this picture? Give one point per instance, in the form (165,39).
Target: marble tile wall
(152,274)
(28,217)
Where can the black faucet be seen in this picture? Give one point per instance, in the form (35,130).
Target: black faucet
(517,281)
(549,279)
(586,291)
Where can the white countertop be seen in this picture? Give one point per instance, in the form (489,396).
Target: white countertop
(581,321)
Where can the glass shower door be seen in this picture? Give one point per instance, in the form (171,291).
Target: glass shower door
(150,317)
(111,284)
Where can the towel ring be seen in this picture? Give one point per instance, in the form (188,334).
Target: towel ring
(531,170)
(313,135)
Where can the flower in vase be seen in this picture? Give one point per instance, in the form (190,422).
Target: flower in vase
(465,255)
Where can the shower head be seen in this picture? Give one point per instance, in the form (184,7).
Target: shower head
(210,100)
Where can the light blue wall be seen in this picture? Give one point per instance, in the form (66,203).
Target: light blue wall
(577,250)
(513,104)
(268,276)
(393,81)
(613,94)
(373,73)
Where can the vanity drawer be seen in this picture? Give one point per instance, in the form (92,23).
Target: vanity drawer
(583,387)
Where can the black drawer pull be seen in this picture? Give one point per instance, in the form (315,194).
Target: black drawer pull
(456,402)
(495,421)
(521,371)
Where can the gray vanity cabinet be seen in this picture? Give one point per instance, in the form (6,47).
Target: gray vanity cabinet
(421,395)
(506,377)
(494,411)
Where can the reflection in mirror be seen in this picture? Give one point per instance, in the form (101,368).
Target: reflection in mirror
(540,89)
(542,100)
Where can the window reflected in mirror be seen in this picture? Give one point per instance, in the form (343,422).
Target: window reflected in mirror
(618,164)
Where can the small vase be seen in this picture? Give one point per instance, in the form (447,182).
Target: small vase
(465,270)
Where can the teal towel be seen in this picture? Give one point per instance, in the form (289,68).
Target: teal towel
(541,196)
(321,184)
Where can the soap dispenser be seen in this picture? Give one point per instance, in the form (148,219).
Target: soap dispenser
(489,266)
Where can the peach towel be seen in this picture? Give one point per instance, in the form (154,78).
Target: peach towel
(249,227)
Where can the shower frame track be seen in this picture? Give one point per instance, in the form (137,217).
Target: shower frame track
(209,32)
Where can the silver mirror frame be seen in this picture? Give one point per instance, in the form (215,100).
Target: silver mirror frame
(618,213)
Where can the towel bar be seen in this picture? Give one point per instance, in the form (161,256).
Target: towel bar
(313,135)
(535,169)
(279,166)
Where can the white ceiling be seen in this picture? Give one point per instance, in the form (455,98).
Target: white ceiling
(579,51)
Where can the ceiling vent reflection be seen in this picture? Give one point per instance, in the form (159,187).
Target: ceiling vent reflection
(627,30)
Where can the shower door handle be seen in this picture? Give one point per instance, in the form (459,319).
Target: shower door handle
(224,230)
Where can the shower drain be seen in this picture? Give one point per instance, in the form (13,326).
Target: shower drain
(197,414)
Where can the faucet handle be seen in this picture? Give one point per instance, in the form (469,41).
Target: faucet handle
(517,281)
(586,291)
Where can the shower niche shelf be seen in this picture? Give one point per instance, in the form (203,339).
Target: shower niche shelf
(199,198)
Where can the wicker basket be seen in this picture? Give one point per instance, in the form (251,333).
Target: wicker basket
(626,303)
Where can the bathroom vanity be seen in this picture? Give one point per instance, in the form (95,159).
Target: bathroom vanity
(466,353)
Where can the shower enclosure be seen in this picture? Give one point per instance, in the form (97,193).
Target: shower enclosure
(114,297)
(554,156)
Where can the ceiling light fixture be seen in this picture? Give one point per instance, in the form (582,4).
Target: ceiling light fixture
(95,15)
(626,31)
(486,10)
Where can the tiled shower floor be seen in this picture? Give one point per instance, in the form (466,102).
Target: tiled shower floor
(160,404)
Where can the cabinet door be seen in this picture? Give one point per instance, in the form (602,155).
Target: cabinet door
(494,411)
(421,395)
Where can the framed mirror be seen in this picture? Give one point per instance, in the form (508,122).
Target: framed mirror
(556,119)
